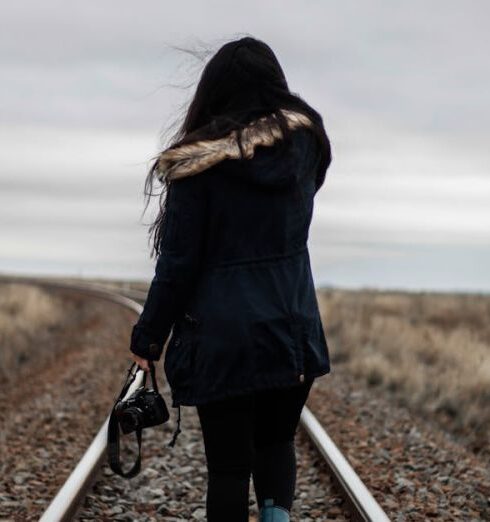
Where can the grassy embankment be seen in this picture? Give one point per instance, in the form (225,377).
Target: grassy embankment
(28,315)
(430,351)
(38,325)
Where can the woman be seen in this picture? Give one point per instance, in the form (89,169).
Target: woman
(233,279)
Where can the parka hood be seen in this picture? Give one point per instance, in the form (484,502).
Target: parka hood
(192,158)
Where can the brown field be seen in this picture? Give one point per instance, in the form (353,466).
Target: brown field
(429,351)
(27,315)
(36,326)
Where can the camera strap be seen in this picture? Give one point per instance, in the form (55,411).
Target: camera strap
(113,430)
(153,377)
(155,387)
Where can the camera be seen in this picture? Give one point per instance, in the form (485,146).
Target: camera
(144,408)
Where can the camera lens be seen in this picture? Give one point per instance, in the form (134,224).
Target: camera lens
(130,419)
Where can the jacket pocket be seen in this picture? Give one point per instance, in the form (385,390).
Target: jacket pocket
(179,363)
(312,348)
(298,333)
(274,349)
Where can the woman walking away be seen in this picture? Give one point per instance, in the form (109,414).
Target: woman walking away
(233,283)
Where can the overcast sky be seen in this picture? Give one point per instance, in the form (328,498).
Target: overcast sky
(402,86)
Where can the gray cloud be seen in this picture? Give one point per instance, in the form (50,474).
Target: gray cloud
(403,88)
(101,63)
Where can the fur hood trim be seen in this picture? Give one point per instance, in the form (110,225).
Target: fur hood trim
(192,158)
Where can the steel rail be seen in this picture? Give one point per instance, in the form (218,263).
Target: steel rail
(360,499)
(68,499)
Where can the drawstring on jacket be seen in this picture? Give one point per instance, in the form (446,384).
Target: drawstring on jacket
(194,322)
(177,430)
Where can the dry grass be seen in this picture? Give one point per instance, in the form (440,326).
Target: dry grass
(27,315)
(431,351)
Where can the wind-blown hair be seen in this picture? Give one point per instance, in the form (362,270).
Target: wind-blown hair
(241,82)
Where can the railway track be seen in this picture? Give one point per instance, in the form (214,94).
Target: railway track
(67,501)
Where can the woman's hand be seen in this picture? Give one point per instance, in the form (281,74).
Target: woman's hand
(142,363)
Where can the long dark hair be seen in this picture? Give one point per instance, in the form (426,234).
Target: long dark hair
(241,82)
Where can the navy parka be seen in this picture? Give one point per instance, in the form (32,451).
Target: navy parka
(233,285)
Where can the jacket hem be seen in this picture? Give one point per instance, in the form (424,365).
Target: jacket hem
(195,400)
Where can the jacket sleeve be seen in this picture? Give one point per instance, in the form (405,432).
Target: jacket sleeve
(177,266)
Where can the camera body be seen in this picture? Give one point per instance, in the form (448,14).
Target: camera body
(144,408)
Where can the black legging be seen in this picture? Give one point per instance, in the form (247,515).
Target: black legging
(251,434)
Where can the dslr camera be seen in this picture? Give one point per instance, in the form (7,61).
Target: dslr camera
(144,408)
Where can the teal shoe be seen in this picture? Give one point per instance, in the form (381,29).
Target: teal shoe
(271,513)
